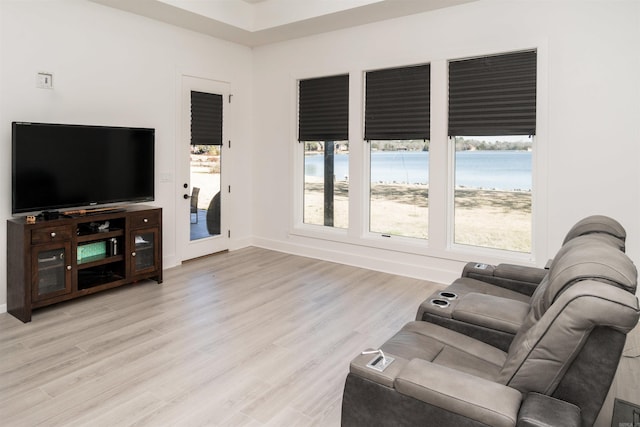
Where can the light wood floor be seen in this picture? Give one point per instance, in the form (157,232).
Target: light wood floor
(251,337)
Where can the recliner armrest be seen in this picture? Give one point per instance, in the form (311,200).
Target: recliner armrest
(478,270)
(359,367)
(539,410)
(519,278)
(472,397)
(533,275)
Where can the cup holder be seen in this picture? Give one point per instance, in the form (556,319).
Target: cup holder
(440,303)
(448,295)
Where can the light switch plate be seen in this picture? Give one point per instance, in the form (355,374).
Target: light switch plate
(44,81)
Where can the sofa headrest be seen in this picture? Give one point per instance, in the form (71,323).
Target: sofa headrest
(597,224)
(586,240)
(585,257)
(592,259)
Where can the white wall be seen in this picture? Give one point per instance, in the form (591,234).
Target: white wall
(588,134)
(116,68)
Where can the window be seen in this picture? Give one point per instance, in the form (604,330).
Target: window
(326,183)
(446,162)
(492,121)
(205,163)
(492,193)
(323,126)
(397,127)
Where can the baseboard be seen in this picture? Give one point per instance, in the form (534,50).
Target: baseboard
(3,308)
(171,260)
(240,243)
(377,263)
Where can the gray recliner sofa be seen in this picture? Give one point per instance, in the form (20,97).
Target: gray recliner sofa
(496,319)
(556,371)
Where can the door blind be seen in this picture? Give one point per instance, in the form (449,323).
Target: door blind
(206,118)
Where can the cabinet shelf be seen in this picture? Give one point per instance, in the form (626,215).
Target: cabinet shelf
(103,235)
(51,267)
(98,260)
(92,281)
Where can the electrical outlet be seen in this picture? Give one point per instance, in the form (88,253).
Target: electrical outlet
(44,81)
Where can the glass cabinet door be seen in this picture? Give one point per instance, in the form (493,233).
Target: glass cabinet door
(145,250)
(52,272)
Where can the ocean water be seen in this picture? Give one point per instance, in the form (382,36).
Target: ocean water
(500,170)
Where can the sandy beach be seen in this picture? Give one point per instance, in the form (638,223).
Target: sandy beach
(491,218)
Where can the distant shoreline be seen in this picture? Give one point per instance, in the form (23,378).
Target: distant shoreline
(482,169)
(320,180)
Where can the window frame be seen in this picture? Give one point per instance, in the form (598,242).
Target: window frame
(337,128)
(488,124)
(439,244)
(417,127)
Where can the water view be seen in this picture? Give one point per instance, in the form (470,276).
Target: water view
(492,199)
(500,169)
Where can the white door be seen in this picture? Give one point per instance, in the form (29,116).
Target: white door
(203,196)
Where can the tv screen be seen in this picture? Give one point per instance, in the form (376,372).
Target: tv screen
(58,166)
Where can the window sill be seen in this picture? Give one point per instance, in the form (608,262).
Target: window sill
(412,246)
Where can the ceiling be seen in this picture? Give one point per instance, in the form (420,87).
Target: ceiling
(259,22)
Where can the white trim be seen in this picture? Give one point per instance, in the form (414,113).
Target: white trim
(439,244)
(3,308)
(384,265)
(185,248)
(540,202)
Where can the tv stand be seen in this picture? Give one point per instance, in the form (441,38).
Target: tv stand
(55,260)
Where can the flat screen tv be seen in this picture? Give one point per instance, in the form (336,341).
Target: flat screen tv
(56,166)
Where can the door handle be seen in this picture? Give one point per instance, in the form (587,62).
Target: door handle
(186,196)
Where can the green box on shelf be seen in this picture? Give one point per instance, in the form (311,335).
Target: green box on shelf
(91,250)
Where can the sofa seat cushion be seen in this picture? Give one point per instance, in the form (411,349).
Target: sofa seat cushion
(442,346)
(465,285)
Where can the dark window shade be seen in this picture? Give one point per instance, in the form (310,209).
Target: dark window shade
(206,118)
(493,95)
(397,103)
(323,113)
